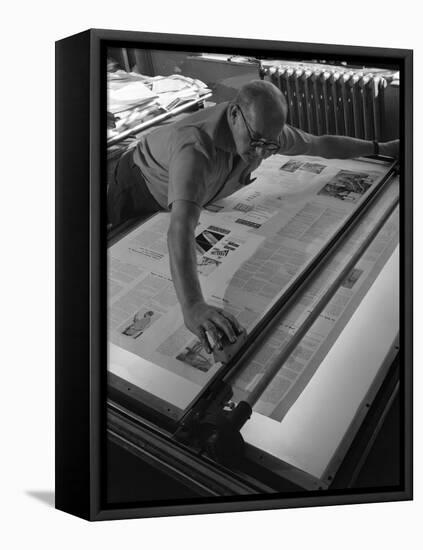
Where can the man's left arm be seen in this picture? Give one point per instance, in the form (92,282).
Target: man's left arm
(298,142)
(344,147)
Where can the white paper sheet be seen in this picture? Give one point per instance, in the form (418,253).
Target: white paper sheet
(314,428)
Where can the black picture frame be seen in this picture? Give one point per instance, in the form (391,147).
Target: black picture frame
(81,266)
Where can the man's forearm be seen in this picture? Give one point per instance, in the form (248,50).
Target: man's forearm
(344,147)
(183,265)
(202,319)
(341,147)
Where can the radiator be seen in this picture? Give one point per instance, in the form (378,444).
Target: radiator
(324,99)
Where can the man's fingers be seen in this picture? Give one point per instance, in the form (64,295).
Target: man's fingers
(234,322)
(214,333)
(225,326)
(202,336)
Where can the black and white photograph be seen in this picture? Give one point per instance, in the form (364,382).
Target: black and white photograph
(297,325)
(211,214)
(248,234)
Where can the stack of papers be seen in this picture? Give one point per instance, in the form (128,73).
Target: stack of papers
(134,98)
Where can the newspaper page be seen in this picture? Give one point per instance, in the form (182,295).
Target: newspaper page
(295,373)
(250,248)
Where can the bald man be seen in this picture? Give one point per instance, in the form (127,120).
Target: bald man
(209,155)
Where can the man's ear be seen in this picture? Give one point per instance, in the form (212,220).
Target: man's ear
(233,112)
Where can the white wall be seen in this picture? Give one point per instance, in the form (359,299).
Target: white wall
(28,32)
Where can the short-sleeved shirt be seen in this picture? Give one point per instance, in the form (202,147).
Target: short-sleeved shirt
(195,159)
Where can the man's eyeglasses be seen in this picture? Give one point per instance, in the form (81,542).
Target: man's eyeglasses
(270,146)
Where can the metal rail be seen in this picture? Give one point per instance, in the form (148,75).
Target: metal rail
(155,447)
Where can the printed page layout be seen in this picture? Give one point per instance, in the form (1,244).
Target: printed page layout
(250,248)
(303,362)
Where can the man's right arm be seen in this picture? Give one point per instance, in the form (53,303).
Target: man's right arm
(199,317)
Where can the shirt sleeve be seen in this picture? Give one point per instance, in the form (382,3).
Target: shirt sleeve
(294,141)
(188,167)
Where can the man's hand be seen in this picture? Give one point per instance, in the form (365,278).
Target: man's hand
(390,148)
(202,318)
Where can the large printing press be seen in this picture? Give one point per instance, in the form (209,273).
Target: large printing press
(307,259)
